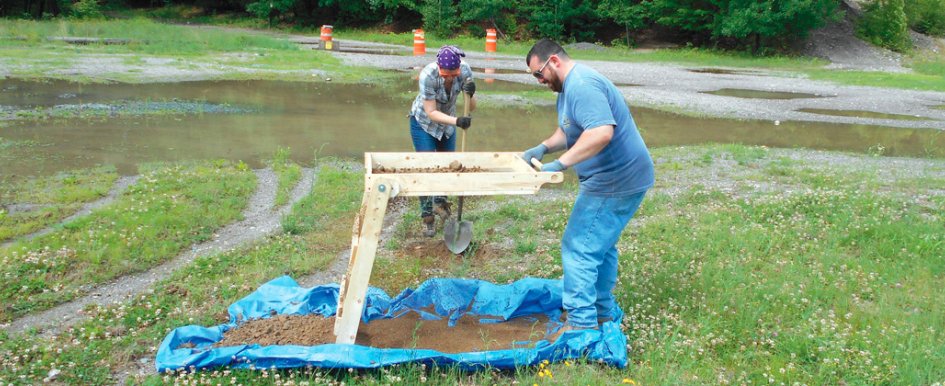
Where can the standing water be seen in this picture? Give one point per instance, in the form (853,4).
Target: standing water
(68,125)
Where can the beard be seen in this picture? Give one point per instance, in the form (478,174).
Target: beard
(555,84)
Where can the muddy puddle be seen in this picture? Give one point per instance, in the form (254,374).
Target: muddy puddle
(863,114)
(722,71)
(758,94)
(330,119)
(488,70)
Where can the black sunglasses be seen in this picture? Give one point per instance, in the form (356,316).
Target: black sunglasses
(537,74)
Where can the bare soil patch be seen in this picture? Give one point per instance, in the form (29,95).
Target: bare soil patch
(407,331)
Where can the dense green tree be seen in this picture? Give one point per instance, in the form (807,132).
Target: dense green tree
(746,22)
(926,16)
(268,9)
(563,19)
(440,16)
(390,9)
(629,15)
(497,14)
(761,21)
(884,24)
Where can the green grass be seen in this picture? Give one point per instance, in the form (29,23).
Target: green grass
(74,186)
(288,173)
(116,335)
(169,208)
(820,283)
(246,54)
(54,198)
(147,37)
(816,275)
(913,81)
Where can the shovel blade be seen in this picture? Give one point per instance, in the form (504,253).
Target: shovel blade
(457,235)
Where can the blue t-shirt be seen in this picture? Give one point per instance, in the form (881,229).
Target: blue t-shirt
(624,166)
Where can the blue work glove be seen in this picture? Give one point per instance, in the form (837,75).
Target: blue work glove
(554,166)
(469,87)
(536,152)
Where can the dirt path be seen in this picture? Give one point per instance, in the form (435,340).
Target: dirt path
(261,219)
(117,189)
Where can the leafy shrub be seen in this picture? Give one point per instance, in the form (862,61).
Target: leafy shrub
(87,9)
(439,17)
(884,24)
(564,19)
(926,16)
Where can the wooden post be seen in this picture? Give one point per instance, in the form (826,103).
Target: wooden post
(367,231)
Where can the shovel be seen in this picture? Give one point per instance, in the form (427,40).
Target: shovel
(458,233)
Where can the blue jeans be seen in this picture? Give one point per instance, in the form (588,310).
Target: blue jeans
(424,142)
(589,255)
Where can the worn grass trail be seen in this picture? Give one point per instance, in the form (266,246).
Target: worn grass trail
(168,209)
(28,209)
(117,189)
(261,218)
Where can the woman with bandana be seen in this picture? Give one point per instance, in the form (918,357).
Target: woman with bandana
(433,117)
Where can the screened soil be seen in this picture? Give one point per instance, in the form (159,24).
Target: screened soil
(406,331)
(454,167)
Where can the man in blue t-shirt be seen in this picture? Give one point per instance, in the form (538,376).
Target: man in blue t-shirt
(604,148)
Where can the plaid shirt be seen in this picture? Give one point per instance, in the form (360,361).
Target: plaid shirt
(432,87)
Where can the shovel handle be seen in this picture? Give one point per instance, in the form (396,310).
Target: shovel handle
(536,163)
(462,147)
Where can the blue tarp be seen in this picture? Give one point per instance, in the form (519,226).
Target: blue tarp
(448,298)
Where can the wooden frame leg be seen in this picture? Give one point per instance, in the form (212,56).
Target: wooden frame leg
(354,285)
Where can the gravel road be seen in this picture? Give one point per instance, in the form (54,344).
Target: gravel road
(682,88)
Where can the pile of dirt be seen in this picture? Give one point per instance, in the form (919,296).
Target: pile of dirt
(407,331)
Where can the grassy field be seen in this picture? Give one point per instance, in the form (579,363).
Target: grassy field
(27,51)
(288,172)
(168,209)
(261,55)
(56,196)
(744,265)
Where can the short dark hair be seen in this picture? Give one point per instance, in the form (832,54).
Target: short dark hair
(543,49)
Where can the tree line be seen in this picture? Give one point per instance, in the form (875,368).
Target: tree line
(757,25)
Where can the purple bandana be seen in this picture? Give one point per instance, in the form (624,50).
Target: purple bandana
(448,57)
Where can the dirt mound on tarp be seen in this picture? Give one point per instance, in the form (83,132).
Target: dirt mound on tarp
(407,331)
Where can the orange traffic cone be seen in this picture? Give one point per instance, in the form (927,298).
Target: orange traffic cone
(419,43)
(490,40)
(326,33)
